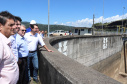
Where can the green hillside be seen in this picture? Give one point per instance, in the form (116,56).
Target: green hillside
(52,27)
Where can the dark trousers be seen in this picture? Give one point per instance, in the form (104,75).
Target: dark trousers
(23,71)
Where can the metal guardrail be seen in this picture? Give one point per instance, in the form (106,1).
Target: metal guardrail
(124,45)
(108,33)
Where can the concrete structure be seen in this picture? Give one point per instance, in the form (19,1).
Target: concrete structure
(72,56)
(90,50)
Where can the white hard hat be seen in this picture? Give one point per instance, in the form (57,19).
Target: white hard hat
(32,22)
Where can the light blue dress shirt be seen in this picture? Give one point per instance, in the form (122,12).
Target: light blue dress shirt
(42,35)
(22,46)
(13,45)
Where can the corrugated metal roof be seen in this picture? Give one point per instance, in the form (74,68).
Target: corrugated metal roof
(82,28)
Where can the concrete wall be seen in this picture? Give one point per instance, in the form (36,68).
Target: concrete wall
(90,50)
(56,68)
(109,66)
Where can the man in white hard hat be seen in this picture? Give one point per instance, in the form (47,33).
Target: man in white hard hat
(32,22)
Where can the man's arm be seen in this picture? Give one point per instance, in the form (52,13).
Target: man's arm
(43,44)
(47,48)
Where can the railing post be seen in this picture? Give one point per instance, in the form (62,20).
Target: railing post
(124,55)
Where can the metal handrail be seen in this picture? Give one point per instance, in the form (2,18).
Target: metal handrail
(124,55)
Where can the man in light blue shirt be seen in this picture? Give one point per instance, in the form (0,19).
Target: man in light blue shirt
(21,43)
(21,46)
(22,54)
(42,34)
(14,46)
(12,38)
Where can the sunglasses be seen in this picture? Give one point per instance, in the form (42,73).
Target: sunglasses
(23,30)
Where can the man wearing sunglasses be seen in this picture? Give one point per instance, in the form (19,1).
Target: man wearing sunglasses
(22,54)
(12,38)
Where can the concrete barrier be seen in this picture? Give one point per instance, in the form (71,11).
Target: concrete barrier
(90,50)
(57,68)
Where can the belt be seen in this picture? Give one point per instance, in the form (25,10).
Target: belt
(23,58)
(32,51)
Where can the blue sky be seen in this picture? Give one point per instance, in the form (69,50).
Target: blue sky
(78,13)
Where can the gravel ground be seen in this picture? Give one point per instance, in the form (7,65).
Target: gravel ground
(33,82)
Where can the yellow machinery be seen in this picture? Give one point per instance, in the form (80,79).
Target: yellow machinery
(119,26)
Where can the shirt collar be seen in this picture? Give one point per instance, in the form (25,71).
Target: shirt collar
(20,36)
(32,35)
(14,36)
(5,39)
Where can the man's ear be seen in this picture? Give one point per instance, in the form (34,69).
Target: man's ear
(0,26)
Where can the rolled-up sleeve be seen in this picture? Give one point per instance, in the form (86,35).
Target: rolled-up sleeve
(41,40)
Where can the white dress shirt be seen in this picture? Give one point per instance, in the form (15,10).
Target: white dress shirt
(9,71)
(33,40)
(13,45)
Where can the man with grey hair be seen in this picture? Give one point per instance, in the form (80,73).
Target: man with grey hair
(22,55)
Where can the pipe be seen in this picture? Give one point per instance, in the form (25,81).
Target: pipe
(124,56)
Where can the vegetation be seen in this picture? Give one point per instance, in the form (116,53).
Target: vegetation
(100,24)
(52,27)
(98,27)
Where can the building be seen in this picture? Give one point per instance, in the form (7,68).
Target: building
(82,31)
(120,25)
